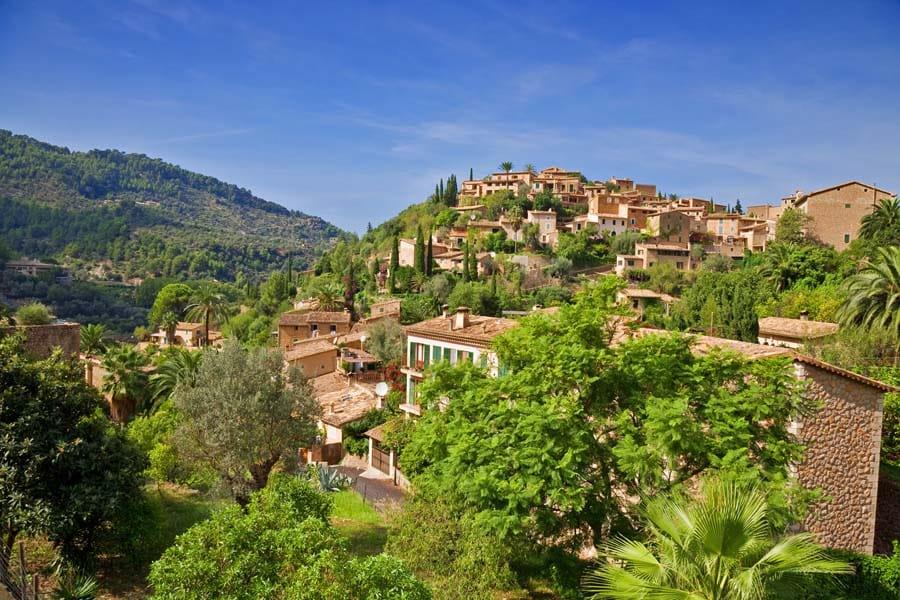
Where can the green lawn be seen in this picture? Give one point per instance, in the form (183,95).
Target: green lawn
(364,528)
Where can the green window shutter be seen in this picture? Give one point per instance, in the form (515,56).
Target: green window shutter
(447,354)
(426,354)
(436,354)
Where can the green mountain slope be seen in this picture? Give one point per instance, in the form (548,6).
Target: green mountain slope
(129,215)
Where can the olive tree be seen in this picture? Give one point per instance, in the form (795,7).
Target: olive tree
(242,414)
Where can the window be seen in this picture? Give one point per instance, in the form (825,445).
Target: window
(679,265)
(333,329)
(314,327)
(847,205)
(846,238)
(632,221)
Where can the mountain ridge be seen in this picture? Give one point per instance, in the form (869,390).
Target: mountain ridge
(193,212)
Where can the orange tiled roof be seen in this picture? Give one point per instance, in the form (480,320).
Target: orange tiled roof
(479,332)
(796,328)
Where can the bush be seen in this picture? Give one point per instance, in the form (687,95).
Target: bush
(458,559)
(33,314)
(876,578)
(282,547)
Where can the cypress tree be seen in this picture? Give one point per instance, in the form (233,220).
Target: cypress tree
(395,255)
(471,174)
(473,264)
(429,256)
(419,253)
(441,188)
(465,269)
(290,270)
(494,284)
(437,194)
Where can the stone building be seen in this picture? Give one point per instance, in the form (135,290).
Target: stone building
(836,212)
(41,340)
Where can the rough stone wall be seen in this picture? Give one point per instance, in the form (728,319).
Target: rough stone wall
(843,443)
(40,340)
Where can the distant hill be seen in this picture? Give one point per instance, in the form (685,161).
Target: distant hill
(86,210)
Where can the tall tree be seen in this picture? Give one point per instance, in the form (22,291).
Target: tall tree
(65,470)
(791,226)
(242,414)
(173,298)
(471,174)
(719,547)
(515,215)
(465,268)
(429,255)
(207,304)
(441,196)
(395,253)
(882,225)
(737,207)
(419,251)
(506,166)
(92,342)
(529,168)
(873,294)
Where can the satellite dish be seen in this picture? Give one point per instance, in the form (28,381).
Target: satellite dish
(381,389)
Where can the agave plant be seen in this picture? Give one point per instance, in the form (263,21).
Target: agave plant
(74,586)
(327,478)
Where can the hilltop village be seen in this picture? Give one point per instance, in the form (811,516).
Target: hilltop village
(567,344)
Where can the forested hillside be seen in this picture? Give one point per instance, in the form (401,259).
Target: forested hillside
(85,209)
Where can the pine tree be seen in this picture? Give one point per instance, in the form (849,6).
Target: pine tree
(419,253)
(738,208)
(429,256)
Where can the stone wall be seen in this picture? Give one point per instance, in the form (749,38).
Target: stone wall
(40,340)
(843,443)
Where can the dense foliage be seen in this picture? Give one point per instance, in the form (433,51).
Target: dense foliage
(281,547)
(65,471)
(90,206)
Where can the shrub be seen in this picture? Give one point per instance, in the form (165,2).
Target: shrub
(457,558)
(876,578)
(33,314)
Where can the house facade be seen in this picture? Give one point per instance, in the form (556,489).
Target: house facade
(297,325)
(836,212)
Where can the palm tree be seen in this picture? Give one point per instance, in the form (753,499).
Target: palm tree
(125,382)
(529,168)
(506,166)
(176,367)
(873,298)
(719,547)
(515,216)
(778,267)
(169,322)
(206,304)
(92,345)
(330,295)
(883,222)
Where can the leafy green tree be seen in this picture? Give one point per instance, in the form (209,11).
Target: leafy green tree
(506,166)
(719,547)
(173,298)
(528,453)
(274,292)
(882,225)
(385,341)
(33,314)
(791,226)
(738,209)
(65,470)
(281,547)
(722,304)
(169,322)
(873,295)
(207,305)
(126,381)
(243,414)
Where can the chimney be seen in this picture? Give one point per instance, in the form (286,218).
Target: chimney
(444,310)
(331,408)
(461,318)
(804,315)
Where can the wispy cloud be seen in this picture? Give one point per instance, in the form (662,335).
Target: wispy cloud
(204,136)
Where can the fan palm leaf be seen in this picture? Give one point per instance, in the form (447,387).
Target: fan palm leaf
(873,294)
(719,547)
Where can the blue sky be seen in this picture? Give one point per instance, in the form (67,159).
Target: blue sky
(353,110)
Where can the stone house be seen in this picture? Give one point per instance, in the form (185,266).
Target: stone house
(294,326)
(314,356)
(836,212)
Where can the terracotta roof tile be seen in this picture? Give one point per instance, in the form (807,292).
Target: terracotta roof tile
(480,331)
